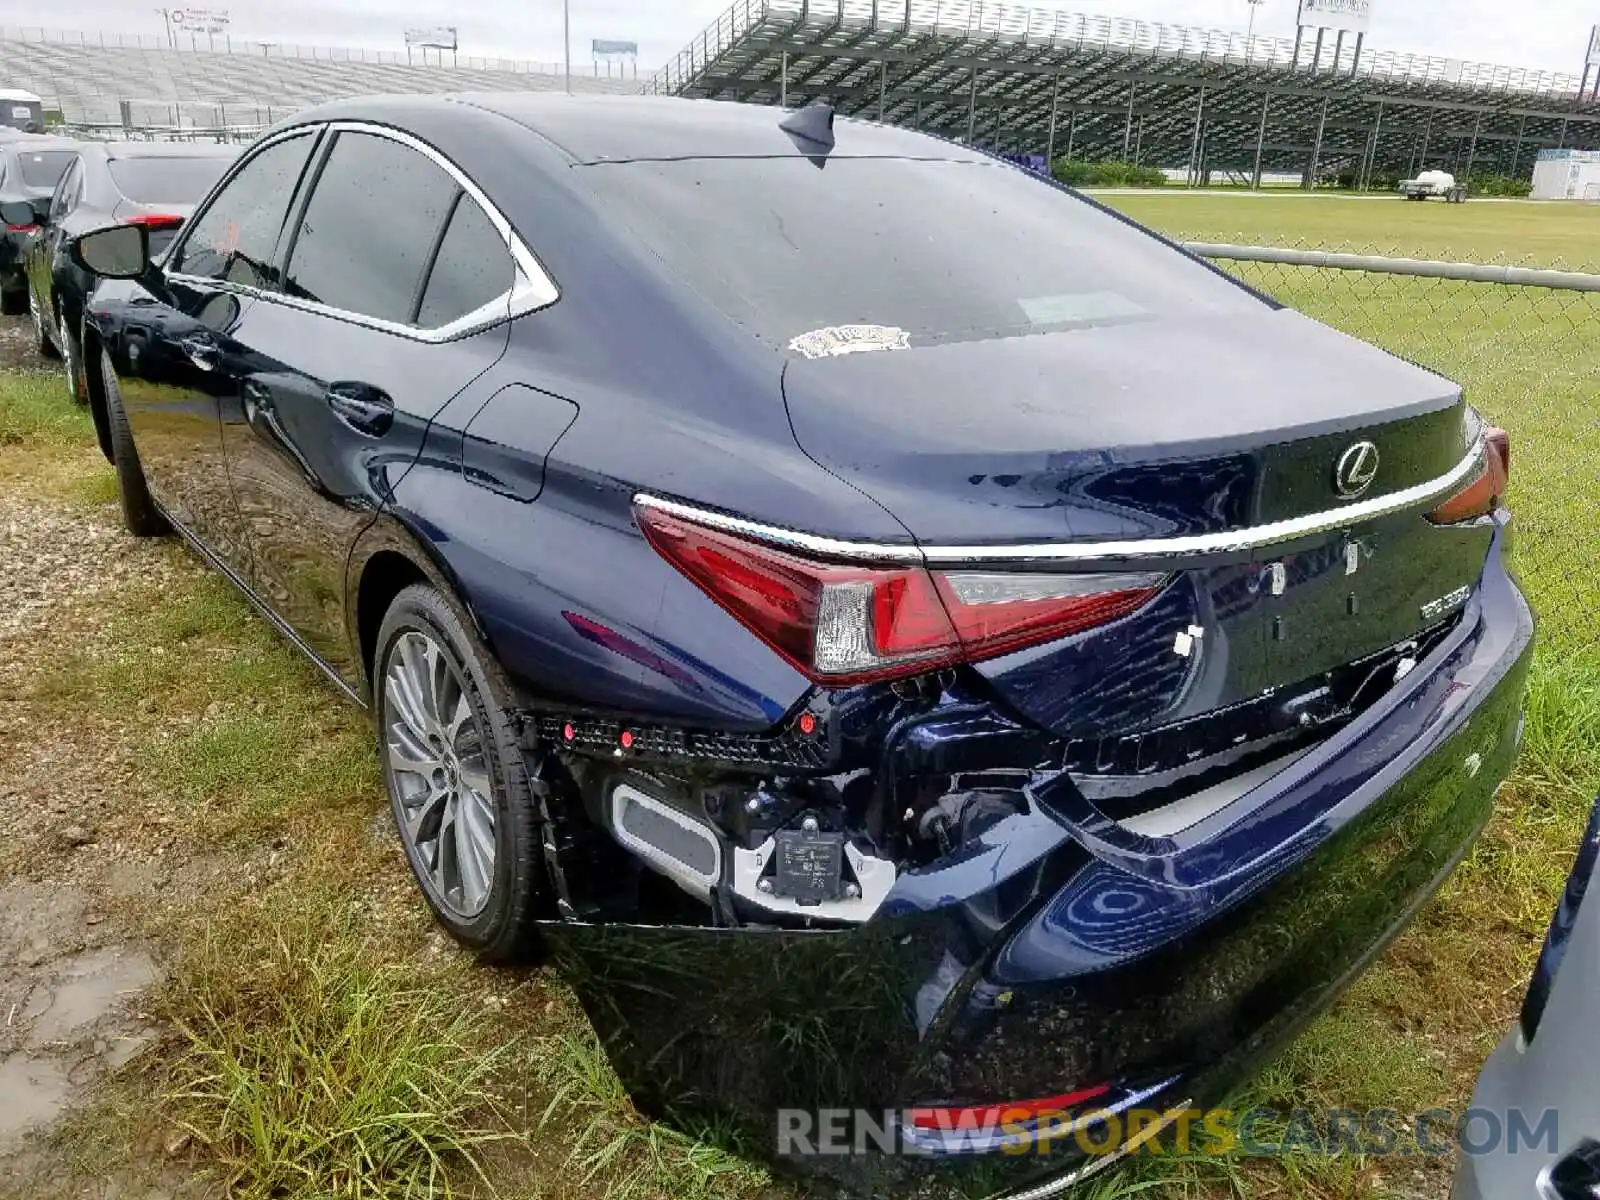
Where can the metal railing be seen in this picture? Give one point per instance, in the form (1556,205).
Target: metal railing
(1525,344)
(1020,23)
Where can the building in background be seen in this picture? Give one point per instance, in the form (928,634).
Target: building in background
(1567,175)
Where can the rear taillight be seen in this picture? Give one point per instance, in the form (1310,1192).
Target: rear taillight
(847,624)
(155,221)
(1482,494)
(22,229)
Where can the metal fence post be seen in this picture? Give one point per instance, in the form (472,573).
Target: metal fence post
(972,107)
(1316,149)
(1194,143)
(1055,101)
(1261,140)
(1127,128)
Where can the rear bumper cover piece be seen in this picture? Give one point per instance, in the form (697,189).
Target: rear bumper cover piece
(1064,951)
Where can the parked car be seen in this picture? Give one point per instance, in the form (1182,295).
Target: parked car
(30,167)
(1547,1064)
(154,184)
(904,636)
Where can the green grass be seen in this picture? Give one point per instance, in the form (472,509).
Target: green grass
(35,413)
(308,1064)
(1538,234)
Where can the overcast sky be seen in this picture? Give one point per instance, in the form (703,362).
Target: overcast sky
(1552,34)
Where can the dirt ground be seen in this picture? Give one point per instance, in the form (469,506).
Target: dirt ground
(71,976)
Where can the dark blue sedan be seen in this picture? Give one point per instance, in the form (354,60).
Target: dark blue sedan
(908,640)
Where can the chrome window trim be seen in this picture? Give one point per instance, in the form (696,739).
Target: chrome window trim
(1205,545)
(181,242)
(531,289)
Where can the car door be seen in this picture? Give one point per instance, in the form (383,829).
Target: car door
(180,359)
(396,288)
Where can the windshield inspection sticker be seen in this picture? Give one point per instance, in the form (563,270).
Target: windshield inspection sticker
(850,339)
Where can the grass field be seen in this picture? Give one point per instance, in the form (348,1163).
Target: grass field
(1543,235)
(291,936)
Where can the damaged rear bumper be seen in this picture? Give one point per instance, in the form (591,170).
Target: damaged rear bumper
(1059,953)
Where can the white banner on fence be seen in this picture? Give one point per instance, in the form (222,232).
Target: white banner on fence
(1594,46)
(1353,15)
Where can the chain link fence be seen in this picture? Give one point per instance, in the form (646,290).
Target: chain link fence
(1525,344)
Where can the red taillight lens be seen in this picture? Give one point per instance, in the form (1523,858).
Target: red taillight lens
(22,229)
(846,624)
(155,221)
(1479,498)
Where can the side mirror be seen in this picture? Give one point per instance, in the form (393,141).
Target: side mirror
(18,212)
(119,252)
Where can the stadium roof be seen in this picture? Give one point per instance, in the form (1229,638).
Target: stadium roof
(1019,80)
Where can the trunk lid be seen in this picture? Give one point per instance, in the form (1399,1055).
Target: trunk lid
(1163,429)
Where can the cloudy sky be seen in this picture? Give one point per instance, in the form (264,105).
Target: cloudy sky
(1551,34)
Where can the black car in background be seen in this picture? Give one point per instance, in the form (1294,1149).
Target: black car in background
(30,168)
(154,184)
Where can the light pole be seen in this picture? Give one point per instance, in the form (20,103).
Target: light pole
(166,15)
(566,37)
(1254,5)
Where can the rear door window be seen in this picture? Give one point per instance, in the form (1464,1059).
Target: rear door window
(471,269)
(235,238)
(370,228)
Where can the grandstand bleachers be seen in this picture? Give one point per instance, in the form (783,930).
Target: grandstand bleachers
(90,83)
(1022,80)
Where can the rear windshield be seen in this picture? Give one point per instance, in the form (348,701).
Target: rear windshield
(166,180)
(878,253)
(44,168)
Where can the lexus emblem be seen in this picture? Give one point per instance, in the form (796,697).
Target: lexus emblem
(1357,468)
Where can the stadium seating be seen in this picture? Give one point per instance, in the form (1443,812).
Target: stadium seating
(201,89)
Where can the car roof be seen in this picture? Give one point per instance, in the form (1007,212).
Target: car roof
(34,145)
(592,128)
(20,96)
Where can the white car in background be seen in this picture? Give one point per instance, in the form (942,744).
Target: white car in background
(1434,183)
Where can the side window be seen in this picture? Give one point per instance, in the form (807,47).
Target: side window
(369,228)
(235,237)
(472,267)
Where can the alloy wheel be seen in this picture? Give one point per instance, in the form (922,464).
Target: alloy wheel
(438,774)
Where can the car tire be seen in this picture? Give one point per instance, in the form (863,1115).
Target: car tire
(72,361)
(41,335)
(14,303)
(445,738)
(139,511)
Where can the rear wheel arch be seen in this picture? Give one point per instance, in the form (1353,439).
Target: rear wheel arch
(388,558)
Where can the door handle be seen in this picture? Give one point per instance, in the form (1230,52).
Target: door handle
(201,351)
(361,406)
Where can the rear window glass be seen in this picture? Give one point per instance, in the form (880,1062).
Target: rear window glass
(876,253)
(44,168)
(166,180)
